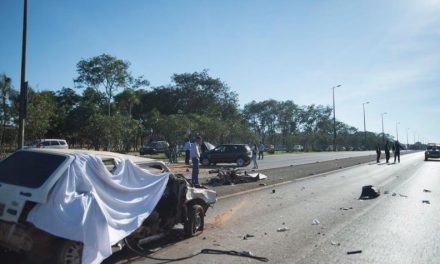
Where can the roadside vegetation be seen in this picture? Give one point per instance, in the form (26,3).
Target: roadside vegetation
(108,108)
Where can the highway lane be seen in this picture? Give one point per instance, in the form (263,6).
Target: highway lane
(283,160)
(390,229)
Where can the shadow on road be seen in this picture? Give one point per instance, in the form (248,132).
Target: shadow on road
(126,255)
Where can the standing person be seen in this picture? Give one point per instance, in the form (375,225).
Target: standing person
(170,153)
(261,151)
(254,155)
(187,148)
(175,151)
(378,152)
(396,151)
(387,151)
(195,156)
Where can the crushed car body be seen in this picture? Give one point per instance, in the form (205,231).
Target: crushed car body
(83,205)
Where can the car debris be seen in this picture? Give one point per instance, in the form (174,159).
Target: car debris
(394,194)
(283,229)
(426,190)
(247,236)
(273,191)
(229,176)
(315,222)
(345,208)
(386,192)
(369,192)
(354,252)
(334,243)
(426,202)
(402,195)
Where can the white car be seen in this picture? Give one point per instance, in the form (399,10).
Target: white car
(52,203)
(50,143)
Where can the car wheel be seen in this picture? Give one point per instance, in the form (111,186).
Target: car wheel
(205,162)
(196,221)
(70,252)
(240,162)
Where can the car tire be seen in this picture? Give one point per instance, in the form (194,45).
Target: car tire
(240,162)
(70,252)
(196,221)
(205,162)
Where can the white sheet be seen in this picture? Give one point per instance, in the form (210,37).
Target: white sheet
(93,206)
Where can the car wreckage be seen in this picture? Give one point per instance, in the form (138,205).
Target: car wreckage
(74,206)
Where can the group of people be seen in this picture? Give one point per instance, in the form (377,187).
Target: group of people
(257,151)
(395,147)
(173,150)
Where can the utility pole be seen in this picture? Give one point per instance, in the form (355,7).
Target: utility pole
(383,133)
(407,141)
(365,126)
(397,131)
(23,83)
(334,117)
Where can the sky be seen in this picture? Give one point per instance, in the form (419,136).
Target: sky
(385,52)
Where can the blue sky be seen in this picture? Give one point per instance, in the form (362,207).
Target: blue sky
(384,52)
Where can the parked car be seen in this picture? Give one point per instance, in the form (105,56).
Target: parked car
(432,151)
(49,143)
(298,148)
(30,177)
(241,154)
(154,147)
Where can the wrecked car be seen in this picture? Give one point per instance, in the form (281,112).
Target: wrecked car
(66,206)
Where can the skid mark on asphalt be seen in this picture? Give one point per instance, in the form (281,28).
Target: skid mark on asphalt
(220,219)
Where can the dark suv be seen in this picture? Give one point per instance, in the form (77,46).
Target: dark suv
(229,153)
(154,147)
(432,151)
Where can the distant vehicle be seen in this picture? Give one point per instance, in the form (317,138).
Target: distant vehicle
(154,147)
(49,143)
(241,154)
(281,148)
(432,151)
(298,148)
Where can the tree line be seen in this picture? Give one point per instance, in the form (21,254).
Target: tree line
(108,108)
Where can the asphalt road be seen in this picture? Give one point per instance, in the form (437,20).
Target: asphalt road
(396,227)
(283,160)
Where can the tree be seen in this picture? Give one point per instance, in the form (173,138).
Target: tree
(103,71)
(6,92)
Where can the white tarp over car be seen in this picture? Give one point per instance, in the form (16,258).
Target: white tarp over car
(91,205)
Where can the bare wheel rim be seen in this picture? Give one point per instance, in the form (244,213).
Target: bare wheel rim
(197,220)
(73,253)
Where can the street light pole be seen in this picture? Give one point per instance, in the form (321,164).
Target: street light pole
(365,126)
(334,118)
(23,84)
(407,141)
(383,133)
(397,131)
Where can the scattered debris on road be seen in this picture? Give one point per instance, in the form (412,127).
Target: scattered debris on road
(394,194)
(354,252)
(426,190)
(345,208)
(230,176)
(334,243)
(369,192)
(402,195)
(283,229)
(273,191)
(426,202)
(247,236)
(315,222)
(386,192)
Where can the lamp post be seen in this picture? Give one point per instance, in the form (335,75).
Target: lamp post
(383,133)
(334,118)
(397,131)
(365,126)
(407,141)
(23,84)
